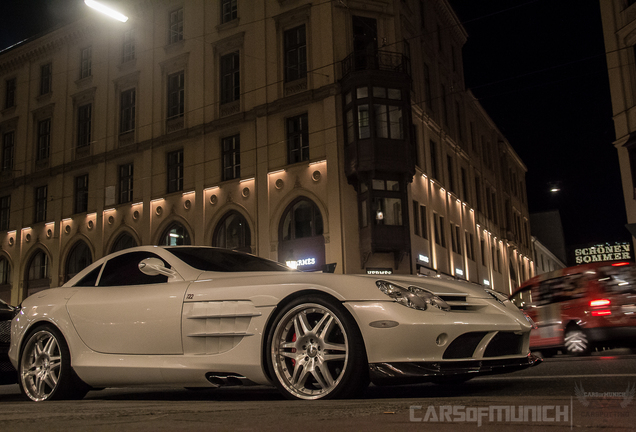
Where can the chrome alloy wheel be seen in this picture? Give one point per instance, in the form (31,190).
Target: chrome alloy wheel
(576,342)
(40,365)
(309,351)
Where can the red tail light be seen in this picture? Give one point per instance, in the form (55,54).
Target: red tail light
(601,313)
(620,264)
(600,302)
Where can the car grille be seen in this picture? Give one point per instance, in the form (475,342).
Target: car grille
(501,344)
(5,332)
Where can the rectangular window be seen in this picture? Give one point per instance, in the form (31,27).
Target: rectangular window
(434,167)
(470,246)
(176,26)
(81,194)
(440,237)
(458,240)
(128,48)
(451,173)
(8,150)
(416,218)
(388,121)
(478,193)
(428,92)
(125,183)
(46,76)
(229,10)
(460,123)
(388,211)
(5,211)
(127,111)
(9,96)
(297,139)
(350,127)
(494,208)
(483,251)
(230,78)
(40,204)
(84,114)
(231,157)
(364,130)
(176,95)
(175,171)
(86,62)
(444,100)
(295,54)
(424,222)
(44,140)
(464,179)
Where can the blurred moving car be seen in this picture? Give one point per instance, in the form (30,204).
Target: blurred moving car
(207,317)
(582,308)
(8,374)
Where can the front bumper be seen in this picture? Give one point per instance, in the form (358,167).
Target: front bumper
(417,372)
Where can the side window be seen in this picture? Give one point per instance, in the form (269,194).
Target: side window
(124,270)
(90,279)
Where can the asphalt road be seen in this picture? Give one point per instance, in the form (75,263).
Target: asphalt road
(563,393)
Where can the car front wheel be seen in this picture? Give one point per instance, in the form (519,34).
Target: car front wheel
(316,351)
(45,371)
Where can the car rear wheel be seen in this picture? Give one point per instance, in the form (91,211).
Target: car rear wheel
(45,371)
(576,342)
(316,351)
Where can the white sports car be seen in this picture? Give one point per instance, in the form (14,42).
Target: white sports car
(208,317)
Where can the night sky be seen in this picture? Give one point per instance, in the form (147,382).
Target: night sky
(538,68)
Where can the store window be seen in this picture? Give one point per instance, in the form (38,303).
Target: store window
(175,235)
(79,258)
(302,244)
(38,273)
(124,241)
(233,232)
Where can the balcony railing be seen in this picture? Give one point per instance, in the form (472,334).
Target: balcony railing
(379,60)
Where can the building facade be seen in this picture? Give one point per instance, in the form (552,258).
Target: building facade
(619,31)
(313,133)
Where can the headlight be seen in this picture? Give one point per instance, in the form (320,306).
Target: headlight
(413,297)
(501,298)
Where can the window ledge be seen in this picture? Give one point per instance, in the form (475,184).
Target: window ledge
(228,25)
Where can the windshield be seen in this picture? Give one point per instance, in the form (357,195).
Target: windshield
(223,260)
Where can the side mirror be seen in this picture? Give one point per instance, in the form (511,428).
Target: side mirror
(154,267)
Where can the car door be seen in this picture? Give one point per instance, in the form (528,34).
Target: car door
(129,312)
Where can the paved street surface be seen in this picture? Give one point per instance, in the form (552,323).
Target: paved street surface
(563,393)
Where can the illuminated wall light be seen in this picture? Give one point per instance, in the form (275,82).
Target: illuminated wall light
(211,188)
(442,190)
(276,172)
(50,223)
(106,10)
(156,200)
(246,180)
(109,210)
(187,193)
(26,228)
(137,204)
(318,162)
(67,220)
(92,215)
(11,232)
(459,201)
(424,176)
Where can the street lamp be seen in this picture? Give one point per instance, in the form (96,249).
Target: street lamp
(106,10)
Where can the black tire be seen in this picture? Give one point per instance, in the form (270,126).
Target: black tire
(44,369)
(576,341)
(315,351)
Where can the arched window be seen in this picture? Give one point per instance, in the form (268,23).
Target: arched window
(38,273)
(5,280)
(175,235)
(302,219)
(233,232)
(301,243)
(79,258)
(124,241)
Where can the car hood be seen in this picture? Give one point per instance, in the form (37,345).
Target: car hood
(346,287)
